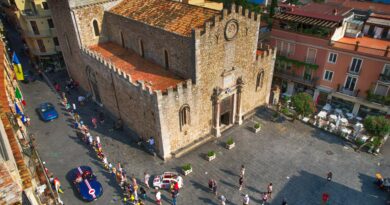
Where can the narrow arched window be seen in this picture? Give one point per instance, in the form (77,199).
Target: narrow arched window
(141,48)
(166,59)
(259,80)
(184,115)
(96,27)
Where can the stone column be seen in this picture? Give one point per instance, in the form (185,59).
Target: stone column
(217,112)
(234,108)
(356,108)
(238,108)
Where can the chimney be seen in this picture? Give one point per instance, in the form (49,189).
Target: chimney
(335,11)
(387,51)
(357,45)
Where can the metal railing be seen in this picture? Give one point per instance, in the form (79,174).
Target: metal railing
(348,91)
(29,13)
(294,77)
(384,78)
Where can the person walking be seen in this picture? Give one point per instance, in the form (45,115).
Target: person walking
(215,186)
(240,182)
(94,122)
(174,196)
(246,199)
(211,184)
(329,176)
(76,117)
(223,200)
(264,198)
(269,190)
(242,171)
(158,197)
(146,179)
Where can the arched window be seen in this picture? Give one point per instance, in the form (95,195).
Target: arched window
(141,48)
(184,115)
(96,27)
(166,59)
(259,80)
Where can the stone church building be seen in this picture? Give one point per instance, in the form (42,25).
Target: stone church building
(177,72)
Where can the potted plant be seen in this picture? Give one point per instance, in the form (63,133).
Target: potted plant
(256,127)
(187,169)
(230,143)
(211,155)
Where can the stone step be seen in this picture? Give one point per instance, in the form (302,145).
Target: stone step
(192,146)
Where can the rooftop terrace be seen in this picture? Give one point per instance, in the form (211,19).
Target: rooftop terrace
(137,67)
(366,45)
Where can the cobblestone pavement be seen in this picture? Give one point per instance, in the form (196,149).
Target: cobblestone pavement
(293,156)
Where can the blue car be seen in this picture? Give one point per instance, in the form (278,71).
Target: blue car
(47,112)
(86,183)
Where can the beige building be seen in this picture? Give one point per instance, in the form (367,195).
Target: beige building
(204,3)
(37,29)
(178,72)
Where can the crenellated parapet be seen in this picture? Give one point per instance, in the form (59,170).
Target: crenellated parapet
(210,25)
(267,54)
(179,91)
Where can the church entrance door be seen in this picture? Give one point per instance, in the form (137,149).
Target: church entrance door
(226,107)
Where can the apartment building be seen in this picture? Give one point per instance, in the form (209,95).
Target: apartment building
(337,54)
(37,29)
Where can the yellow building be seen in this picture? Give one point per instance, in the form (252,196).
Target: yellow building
(37,28)
(204,3)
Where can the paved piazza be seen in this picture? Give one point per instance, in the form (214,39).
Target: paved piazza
(293,156)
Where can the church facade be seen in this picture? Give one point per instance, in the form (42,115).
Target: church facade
(177,72)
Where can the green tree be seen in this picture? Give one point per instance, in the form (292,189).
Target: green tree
(303,104)
(376,126)
(274,4)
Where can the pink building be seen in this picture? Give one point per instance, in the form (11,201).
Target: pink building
(339,55)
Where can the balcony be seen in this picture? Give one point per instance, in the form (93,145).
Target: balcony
(384,78)
(294,77)
(310,60)
(41,34)
(346,91)
(31,14)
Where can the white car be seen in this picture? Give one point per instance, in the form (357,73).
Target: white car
(164,181)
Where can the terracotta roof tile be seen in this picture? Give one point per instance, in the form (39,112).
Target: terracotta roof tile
(137,67)
(172,16)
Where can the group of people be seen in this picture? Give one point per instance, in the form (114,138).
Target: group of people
(246,199)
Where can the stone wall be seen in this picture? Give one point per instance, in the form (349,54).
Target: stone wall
(155,41)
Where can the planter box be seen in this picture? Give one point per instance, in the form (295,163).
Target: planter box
(187,172)
(256,130)
(230,146)
(209,158)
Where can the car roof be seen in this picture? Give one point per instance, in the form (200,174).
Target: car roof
(84,188)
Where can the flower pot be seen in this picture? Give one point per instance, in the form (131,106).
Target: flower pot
(187,172)
(209,158)
(256,130)
(230,146)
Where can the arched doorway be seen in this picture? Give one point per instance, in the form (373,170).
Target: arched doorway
(93,84)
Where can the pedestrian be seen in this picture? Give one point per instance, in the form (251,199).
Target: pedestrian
(240,181)
(174,196)
(74,106)
(265,198)
(97,140)
(223,200)
(101,117)
(211,183)
(57,185)
(28,120)
(94,122)
(146,179)
(242,171)
(110,167)
(215,186)
(329,177)
(246,199)
(269,190)
(90,139)
(158,197)
(67,106)
(142,193)
(81,100)
(76,117)
(105,162)
(57,86)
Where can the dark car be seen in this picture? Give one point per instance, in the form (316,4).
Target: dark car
(86,183)
(29,76)
(47,112)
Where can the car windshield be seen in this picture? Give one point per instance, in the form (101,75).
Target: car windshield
(46,107)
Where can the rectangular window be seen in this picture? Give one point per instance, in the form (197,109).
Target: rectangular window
(381,90)
(34,27)
(356,65)
(332,57)
(350,83)
(41,46)
(55,40)
(328,75)
(307,74)
(50,22)
(311,55)
(45,6)
(386,70)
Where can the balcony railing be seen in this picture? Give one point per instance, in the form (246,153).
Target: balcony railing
(42,33)
(310,60)
(348,91)
(31,14)
(351,71)
(294,77)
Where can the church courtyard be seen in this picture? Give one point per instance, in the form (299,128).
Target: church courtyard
(293,156)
